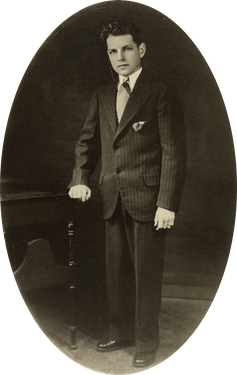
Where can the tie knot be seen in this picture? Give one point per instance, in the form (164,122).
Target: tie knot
(127,86)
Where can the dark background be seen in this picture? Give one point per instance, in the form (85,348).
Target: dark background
(51,102)
(51,105)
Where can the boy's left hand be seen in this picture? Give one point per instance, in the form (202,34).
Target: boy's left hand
(164,219)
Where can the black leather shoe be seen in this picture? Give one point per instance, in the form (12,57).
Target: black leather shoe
(144,359)
(108,346)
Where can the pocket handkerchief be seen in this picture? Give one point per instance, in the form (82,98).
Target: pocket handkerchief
(138,125)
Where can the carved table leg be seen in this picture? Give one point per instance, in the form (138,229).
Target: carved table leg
(72,274)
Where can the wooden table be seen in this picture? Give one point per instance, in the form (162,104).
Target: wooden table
(29,213)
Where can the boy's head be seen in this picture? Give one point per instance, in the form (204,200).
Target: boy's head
(124,46)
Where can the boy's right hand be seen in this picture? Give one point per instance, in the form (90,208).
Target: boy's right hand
(81,192)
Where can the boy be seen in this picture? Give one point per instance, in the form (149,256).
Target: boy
(136,126)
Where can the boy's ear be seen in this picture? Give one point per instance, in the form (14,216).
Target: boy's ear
(142,49)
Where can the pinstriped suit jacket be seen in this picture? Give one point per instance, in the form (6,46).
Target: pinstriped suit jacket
(143,158)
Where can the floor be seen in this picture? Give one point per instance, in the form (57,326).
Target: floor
(44,284)
(50,308)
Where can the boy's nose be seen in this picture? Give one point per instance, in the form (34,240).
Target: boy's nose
(120,55)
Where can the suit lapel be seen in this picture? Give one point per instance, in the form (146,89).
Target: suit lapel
(109,101)
(141,92)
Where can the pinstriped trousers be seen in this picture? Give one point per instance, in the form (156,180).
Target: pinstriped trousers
(134,271)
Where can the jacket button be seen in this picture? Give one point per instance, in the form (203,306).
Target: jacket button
(116,147)
(118,170)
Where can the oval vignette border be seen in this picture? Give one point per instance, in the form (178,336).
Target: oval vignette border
(216,75)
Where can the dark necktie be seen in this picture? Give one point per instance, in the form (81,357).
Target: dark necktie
(122,98)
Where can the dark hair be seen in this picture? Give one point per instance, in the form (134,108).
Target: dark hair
(120,28)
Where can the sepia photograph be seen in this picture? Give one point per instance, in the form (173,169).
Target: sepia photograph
(118,187)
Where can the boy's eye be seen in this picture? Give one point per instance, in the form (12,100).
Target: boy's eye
(112,51)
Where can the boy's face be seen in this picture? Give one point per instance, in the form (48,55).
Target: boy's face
(125,56)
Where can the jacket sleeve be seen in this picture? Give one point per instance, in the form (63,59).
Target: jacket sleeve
(88,148)
(173,144)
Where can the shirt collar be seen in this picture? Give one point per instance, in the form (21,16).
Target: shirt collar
(132,79)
